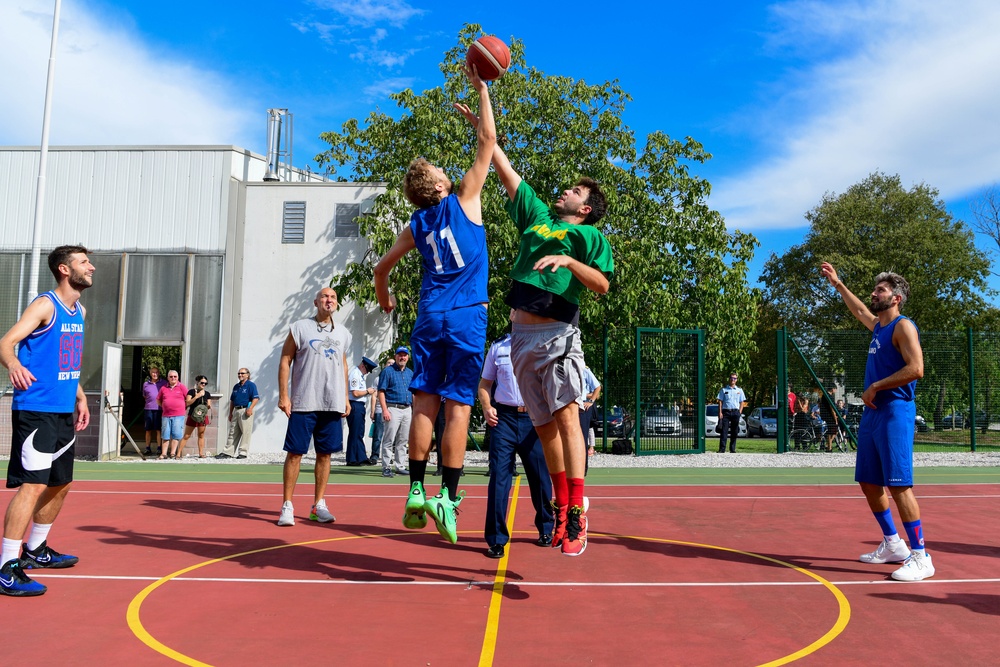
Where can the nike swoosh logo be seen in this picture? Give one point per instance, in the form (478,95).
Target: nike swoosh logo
(34,460)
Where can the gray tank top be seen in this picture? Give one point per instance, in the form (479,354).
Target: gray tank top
(319,380)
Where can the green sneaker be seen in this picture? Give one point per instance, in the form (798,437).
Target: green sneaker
(444,511)
(413,516)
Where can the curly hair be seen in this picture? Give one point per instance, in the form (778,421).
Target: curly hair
(419,182)
(595,200)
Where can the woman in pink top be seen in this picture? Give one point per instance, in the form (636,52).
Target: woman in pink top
(172,400)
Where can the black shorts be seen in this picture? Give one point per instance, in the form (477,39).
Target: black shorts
(42,448)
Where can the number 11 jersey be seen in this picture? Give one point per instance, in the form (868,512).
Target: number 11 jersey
(454,257)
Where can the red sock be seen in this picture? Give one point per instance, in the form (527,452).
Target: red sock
(575,485)
(560,491)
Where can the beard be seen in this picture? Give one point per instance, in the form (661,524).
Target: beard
(880,305)
(80,281)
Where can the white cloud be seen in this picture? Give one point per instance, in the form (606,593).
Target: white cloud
(914,90)
(382,89)
(370,12)
(111,89)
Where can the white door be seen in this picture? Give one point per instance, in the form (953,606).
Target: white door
(109,443)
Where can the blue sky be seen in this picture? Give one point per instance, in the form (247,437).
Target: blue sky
(794,99)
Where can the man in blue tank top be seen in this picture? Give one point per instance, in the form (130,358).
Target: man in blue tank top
(48,408)
(449,336)
(885,436)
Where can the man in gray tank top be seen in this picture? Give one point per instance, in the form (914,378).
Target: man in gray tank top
(315,356)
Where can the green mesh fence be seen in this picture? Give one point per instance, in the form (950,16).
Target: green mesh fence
(653,389)
(957,400)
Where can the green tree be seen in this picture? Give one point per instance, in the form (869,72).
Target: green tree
(877,225)
(676,265)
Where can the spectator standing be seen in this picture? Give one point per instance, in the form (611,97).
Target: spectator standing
(885,436)
(48,409)
(199,415)
(173,401)
(592,389)
(378,424)
(731,400)
(242,403)
(395,399)
(512,435)
(828,413)
(152,414)
(356,422)
(315,357)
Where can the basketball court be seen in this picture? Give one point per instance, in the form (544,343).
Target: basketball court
(762,571)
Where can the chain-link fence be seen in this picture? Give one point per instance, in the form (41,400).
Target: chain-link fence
(957,400)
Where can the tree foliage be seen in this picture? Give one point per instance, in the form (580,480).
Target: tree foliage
(877,225)
(676,266)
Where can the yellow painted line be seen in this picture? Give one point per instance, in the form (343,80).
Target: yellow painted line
(844,607)
(496,597)
(132,615)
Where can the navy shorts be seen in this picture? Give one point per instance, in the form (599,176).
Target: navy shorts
(885,445)
(326,429)
(152,419)
(42,448)
(448,353)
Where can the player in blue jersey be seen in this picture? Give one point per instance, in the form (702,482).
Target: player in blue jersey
(885,436)
(48,408)
(449,336)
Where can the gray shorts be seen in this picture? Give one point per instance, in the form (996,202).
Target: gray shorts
(548,364)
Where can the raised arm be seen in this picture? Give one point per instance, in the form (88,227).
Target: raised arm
(470,190)
(404,244)
(854,304)
(510,178)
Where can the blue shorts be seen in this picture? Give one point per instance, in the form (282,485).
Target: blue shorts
(172,428)
(153,419)
(885,445)
(326,429)
(448,353)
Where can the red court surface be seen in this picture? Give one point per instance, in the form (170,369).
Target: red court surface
(198,573)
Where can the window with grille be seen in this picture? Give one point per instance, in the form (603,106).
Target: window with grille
(347,220)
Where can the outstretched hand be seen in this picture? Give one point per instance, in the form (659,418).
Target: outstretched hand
(468,113)
(472,72)
(826,268)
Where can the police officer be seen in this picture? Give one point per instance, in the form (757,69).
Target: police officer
(358,393)
(731,400)
(512,433)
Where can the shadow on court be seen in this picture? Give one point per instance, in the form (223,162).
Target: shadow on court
(976,602)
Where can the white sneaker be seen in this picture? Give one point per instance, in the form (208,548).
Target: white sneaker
(916,568)
(287,517)
(887,553)
(321,513)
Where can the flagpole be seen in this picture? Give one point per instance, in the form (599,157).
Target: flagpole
(43,160)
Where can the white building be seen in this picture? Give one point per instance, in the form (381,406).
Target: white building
(193,249)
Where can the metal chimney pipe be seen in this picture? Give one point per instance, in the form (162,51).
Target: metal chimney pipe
(273,143)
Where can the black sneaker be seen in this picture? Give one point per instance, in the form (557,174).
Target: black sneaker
(544,540)
(241,456)
(14,582)
(223,456)
(496,551)
(45,557)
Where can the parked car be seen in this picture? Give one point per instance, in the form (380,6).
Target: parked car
(712,418)
(763,422)
(660,421)
(961,420)
(616,422)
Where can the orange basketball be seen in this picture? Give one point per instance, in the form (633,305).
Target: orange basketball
(490,56)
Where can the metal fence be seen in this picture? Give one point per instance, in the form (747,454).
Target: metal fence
(957,400)
(653,390)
